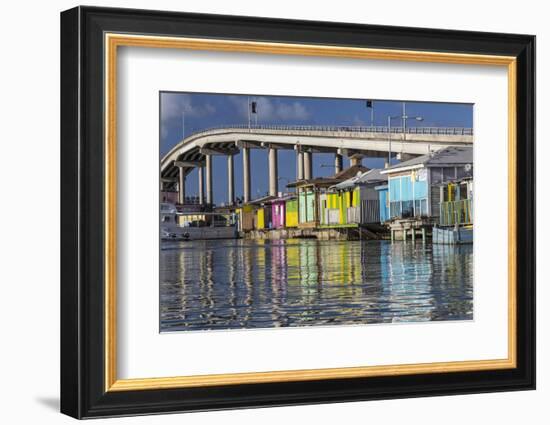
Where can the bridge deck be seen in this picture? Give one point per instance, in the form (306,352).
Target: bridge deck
(347,140)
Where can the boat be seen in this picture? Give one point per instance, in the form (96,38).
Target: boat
(185,226)
(458,235)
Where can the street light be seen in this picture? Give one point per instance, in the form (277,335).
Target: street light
(404,117)
(370,105)
(252,109)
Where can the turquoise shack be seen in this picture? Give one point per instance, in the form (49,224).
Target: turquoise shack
(384,202)
(414,185)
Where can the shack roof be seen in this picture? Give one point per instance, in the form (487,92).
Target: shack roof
(349,172)
(451,156)
(284,198)
(262,200)
(370,176)
(373,176)
(316,182)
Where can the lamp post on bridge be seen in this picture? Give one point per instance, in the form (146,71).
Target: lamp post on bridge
(404,117)
(370,105)
(252,109)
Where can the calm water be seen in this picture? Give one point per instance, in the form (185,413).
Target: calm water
(261,284)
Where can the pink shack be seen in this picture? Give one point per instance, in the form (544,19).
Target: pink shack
(278,211)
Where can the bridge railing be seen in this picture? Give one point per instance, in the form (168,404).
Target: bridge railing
(453,131)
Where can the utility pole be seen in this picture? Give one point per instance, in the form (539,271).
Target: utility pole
(254,108)
(370,105)
(248,108)
(389,140)
(404,117)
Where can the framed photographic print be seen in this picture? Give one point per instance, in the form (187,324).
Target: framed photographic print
(261,212)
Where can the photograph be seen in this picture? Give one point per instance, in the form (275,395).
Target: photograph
(287,211)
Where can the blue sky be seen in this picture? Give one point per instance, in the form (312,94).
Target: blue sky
(187,113)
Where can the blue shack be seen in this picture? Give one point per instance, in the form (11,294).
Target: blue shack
(384,202)
(414,185)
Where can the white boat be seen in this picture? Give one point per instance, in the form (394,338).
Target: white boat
(178,226)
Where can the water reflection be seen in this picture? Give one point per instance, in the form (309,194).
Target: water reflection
(260,284)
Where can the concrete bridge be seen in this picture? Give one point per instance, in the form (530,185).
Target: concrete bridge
(196,150)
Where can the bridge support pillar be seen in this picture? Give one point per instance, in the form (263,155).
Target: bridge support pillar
(273,172)
(209,192)
(230,181)
(299,165)
(308,165)
(338,161)
(200,171)
(181,186)
(246,175)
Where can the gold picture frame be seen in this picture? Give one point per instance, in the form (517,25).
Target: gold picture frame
(114,41)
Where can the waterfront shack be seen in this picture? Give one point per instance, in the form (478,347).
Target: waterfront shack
(456,217)
(330,205)
(383,202)
(354,201)
(414,185)
(263,213)
(369,196)
(246,217)
(308,192)
(456,206)
(314,198)
(291,212)
(341,205)
(278,210)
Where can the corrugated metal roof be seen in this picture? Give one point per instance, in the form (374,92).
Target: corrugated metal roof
(262,200)
(346,184)
(371,176)
(286,197)
(450,155)
(319,181)
(350,172)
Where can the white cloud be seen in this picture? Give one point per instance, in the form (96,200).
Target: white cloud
(174,105)
(295,110)
(271,110)
(240,104)
(359,121)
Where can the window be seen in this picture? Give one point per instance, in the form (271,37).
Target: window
(464,191)
(449,174)
(437,175)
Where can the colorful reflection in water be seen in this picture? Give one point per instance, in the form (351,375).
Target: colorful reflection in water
(235,284)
